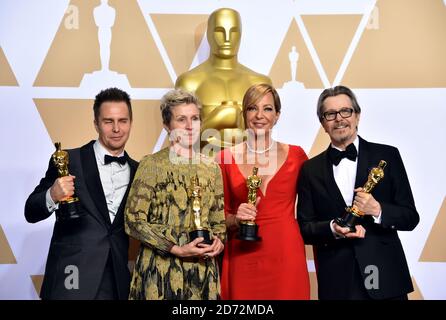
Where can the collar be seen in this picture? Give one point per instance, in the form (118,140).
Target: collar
(100,152)
(355,142)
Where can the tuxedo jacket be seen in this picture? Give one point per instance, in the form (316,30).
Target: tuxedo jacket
(86,242)
(320,201)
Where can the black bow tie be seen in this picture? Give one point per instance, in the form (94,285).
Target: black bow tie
(109,159)
(336,156)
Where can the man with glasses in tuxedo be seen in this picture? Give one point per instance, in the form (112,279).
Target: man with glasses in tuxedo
(368,263)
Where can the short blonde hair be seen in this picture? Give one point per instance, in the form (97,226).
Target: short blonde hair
(175,98)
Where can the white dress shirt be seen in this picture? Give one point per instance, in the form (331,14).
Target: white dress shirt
(114,179)
(345,176)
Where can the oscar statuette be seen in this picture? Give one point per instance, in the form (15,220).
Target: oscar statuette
(353,215)
(69,208)
(248,229)
(195,197)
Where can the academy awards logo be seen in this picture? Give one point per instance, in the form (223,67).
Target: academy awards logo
(294,57)
(115,43)
(110,39)
(104,18)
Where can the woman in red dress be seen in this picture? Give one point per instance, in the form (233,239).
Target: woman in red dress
(274,267)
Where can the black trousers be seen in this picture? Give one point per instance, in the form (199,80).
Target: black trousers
(108,289)
(359,292)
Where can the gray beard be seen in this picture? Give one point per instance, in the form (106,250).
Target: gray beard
(343,140)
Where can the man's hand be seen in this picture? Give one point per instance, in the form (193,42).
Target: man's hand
(345,231)
(62,188)
(366,203)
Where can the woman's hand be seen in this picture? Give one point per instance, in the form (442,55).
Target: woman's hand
(192,249)
(246,212)
(216,248)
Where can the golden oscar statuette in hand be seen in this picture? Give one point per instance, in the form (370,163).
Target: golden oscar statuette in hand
(353,215)
(198,230)
(248,229)
(69,208)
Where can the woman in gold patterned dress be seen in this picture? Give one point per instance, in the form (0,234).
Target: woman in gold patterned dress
(159,212)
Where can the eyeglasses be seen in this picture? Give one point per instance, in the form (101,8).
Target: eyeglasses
(344,113)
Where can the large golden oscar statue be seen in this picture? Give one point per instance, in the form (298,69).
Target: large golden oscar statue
(221,81)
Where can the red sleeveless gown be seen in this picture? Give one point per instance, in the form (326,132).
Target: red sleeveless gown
(275,267)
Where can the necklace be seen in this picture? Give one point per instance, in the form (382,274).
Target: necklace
(259,151)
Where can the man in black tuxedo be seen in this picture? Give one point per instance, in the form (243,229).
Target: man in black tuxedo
(88,256)
(369,263)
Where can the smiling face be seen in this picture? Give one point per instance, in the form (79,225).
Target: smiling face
(184,125)
(224,33)
(342,131)
(113,126)
(262,116)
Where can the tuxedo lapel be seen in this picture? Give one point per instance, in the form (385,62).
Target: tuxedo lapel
(332,187)
(93,181)
(362,168)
